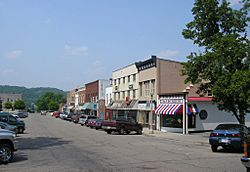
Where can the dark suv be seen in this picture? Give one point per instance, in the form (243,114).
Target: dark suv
(12,120)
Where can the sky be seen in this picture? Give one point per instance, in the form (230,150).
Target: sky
(67,43)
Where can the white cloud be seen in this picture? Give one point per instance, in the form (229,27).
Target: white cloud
(7,72)
(234,2)
(76,51)
(168,53)
(14,54)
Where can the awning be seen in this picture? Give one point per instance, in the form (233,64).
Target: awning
(175,109)
(90,106)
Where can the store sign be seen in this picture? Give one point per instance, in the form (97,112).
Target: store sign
(146,106)
(171,99)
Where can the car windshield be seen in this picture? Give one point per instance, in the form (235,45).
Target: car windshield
(229,127)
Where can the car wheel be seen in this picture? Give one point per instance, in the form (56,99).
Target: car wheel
(139,131)
(6,153)
(108,131)
(127,132)
(122,131)
(20,130)
(214,148)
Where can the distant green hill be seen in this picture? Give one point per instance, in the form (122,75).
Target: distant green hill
(29,95)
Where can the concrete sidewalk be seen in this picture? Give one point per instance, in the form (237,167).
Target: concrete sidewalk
(193,138)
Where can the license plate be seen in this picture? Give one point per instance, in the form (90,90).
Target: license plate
(225,141)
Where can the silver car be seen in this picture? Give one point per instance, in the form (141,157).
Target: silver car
(7,145)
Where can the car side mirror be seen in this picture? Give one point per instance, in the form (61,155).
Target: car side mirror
(2,127)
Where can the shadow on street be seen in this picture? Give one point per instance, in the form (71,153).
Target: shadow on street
(40,142)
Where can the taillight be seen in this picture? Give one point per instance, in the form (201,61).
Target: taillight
(245,149)
(214,134)
(236,135)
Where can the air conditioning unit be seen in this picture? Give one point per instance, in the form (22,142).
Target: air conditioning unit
(116,87)
(130,87)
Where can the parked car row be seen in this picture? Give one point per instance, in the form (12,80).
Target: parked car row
(121,125)
(10,126)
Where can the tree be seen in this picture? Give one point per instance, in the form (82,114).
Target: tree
(223,63)
(19,104)
(50,101)
(8,105)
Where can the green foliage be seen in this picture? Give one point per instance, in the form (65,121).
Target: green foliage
(31,95)
(19,104)
(223,65)
(8,105)
(50,101)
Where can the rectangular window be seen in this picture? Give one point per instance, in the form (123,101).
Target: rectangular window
(134,95)
(119,81)
(114,81)
(128,93)
(129,78)
(134,77)
(153,87)
(123,94)
(140,86)
(147,88)
(123,80)
(119,96)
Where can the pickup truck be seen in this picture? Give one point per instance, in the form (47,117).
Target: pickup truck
(122,126)
(7,145)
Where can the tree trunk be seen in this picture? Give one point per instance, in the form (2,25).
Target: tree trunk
(242,116)
(237,116)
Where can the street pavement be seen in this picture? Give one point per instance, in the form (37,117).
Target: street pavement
(53,145)
(191,138)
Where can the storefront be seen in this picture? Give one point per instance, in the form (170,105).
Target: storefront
(175,114)
(89,108)
(146,115)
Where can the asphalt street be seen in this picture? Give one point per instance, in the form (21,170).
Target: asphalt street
(51,145)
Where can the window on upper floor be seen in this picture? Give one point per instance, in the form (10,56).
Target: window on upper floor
(134,77)
(134,94)
(140,87)
(153,87)
(123,95)
(128,93)
(129,78)
(147,88)
(123,79)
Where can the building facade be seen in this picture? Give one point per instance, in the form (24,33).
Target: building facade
(125,92)
(95,97)
(8,98)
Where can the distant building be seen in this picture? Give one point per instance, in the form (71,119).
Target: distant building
(8,98)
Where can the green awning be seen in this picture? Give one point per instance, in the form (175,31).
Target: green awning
(90,106)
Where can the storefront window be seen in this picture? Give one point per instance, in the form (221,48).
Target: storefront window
(176,121)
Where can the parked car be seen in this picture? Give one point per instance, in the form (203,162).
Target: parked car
(7,145)
(122,125)
(43,112)
(75,118)
(22,114)
(83,120)
(56,114)
(98,124)
(91,123)
(12,120)
(6,126)
(228,136)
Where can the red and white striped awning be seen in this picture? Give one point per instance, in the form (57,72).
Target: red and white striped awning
(174,109)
